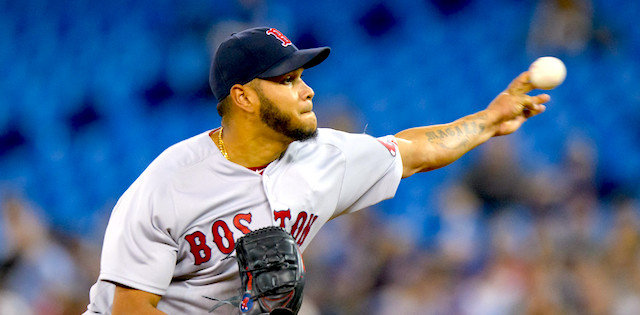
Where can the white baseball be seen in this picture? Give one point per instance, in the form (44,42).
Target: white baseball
(546,73)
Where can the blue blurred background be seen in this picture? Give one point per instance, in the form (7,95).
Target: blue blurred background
(93,91)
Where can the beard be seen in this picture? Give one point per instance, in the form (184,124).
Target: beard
(282,123)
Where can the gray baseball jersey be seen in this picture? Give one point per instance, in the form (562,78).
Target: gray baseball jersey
(172,232)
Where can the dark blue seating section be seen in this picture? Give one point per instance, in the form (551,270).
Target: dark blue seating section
(92,91)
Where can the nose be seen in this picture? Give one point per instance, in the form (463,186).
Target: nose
(306,92)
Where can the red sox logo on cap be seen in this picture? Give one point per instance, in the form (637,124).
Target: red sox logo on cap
(285,41)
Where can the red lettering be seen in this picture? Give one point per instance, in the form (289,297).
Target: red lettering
(220,239)
(283,39)
(223,235)
(300,220)
(281,215)
(242,217)
(197,243)
(307,228)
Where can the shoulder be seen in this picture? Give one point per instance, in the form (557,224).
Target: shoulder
(335,138)
(188,152)
(356,142)
(327,134)
(183,155)
(345,144)
(327,140)
(183,158)
(155,187)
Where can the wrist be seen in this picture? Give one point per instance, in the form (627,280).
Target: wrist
(491,121)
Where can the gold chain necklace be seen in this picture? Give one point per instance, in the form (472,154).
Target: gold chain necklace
(221,145)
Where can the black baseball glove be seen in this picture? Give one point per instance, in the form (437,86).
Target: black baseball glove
(271,271)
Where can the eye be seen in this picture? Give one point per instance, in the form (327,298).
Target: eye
(288,79)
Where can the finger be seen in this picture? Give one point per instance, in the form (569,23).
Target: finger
(531,101)
(520,85)
(538,109)
(532,105)
(540,99)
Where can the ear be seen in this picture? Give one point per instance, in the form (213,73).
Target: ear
(244,97)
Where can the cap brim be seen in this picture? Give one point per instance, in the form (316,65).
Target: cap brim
(304,58)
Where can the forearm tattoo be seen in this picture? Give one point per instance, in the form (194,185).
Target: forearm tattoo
(458,135)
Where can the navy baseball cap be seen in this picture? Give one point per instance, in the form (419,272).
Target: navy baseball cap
(261,52)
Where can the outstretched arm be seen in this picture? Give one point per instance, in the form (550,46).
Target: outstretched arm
(427,148)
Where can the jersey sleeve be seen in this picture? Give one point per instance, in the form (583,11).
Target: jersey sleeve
(138,249)
(373,169)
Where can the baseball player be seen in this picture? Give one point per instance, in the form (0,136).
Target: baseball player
(175,242)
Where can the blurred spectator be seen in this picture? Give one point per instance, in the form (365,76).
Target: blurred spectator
(499,289)
(622,257)
(13,304)
(417,283)
(580,165)
(354,268)
(561,27)
(461,237)
(37,270)
(496,178)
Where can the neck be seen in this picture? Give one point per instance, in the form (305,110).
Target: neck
(249,147)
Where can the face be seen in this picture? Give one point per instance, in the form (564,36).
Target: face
(286,106)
